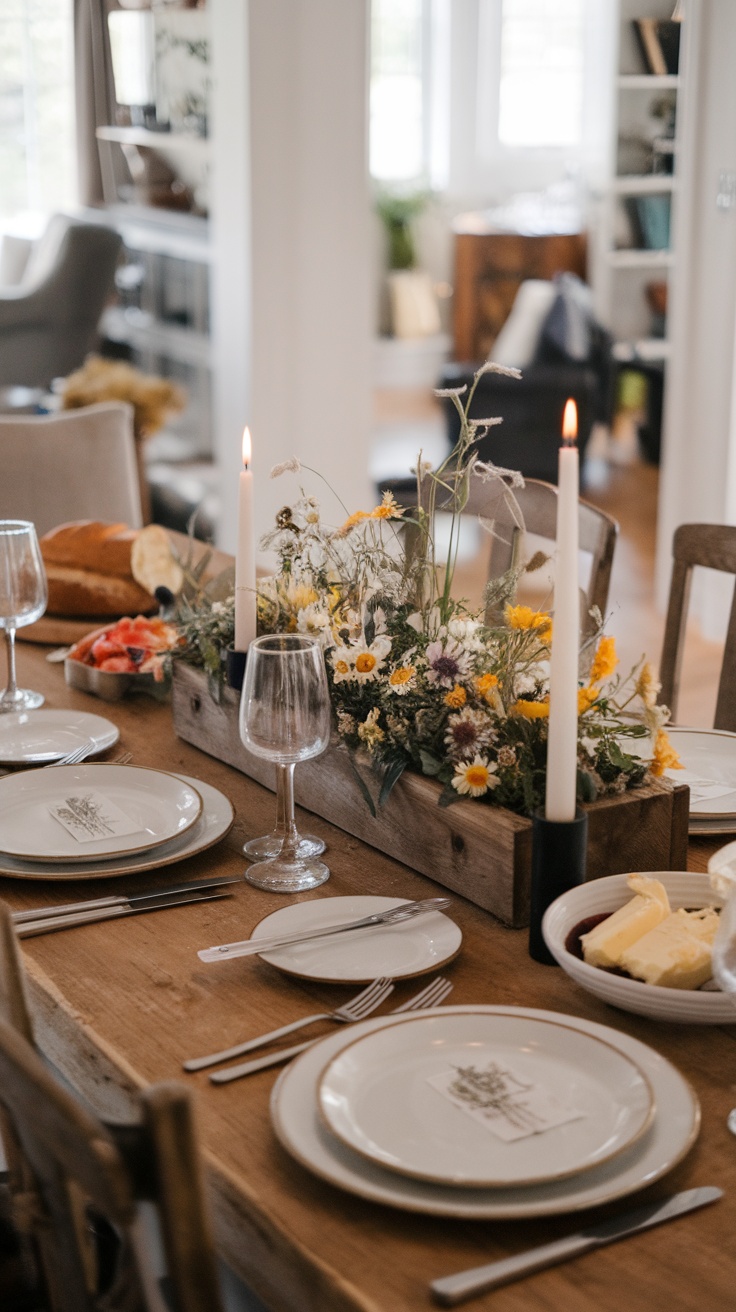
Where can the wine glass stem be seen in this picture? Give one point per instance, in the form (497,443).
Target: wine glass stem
(285,777)
(11,688)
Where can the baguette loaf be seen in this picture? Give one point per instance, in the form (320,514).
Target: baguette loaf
(89,544)
(88,571)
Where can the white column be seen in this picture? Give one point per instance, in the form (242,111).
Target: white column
(293,294)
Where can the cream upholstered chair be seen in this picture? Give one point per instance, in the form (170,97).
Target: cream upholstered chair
(78,464)
(48,321)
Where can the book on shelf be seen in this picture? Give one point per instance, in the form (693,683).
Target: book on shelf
(659,42)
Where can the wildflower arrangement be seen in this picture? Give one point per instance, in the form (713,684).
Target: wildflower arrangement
(420,681)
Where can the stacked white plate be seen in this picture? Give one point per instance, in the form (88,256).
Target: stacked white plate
(30,738)
(708,758)
(168,817)
(362,1109)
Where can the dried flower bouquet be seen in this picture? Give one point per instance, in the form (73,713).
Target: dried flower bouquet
(420,681)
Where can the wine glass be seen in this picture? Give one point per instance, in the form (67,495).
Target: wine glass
(285,718)
(724,961)
(23,599)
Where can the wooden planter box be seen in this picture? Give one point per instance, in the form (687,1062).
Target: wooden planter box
(481,852)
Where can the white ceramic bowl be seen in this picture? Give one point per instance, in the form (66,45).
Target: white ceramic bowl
(685,1006)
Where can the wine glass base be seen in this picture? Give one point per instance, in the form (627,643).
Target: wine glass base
(21,700)
(262,849)
(277,876)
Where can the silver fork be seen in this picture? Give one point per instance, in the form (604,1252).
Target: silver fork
(430,996)
(357,1009)
(78,754)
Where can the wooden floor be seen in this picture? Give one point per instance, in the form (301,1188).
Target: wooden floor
(621,484)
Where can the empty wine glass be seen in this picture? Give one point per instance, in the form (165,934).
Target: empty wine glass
(285,718)
(23,599)
(724,960)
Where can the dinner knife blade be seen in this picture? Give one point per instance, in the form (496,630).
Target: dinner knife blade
(50,923)
(253,946)
(122,900)
(449,1290)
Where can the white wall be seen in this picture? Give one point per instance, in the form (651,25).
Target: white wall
(698,481)
(293,296)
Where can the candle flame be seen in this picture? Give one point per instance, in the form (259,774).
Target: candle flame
(247,449)
(570,423)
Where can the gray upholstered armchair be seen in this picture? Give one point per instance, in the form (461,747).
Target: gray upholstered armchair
(48,321)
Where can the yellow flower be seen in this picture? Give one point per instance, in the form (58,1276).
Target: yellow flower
(523,617)
(665,757)
(530,710)
(370,731)
(341,667)
(647,685)
(400,678)
(388,509)
(586,698)
(475,777)
(365,662)
(456,697)
(353,519)
(605,660)
(483,683)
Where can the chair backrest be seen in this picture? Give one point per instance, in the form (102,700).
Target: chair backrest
(714,547)
(77,464)
(64,1160)
(48,321)
(537,502)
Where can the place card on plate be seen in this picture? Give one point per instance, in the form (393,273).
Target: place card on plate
(89,817)
(501,1101)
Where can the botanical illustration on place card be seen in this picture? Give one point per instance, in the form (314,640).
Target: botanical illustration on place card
(91,817)
(502,1101)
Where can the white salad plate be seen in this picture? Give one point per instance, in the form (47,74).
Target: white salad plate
(379,1097)
(301,1131)
(708,758)
(214,823)
(685,1006)
(38,737)
(399,951)
(159,805)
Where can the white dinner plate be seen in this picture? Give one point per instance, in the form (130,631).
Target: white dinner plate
(37,737)
(214,823)
(160,805)
(400,951)
(379,1096)
(300,1130)
(684,1006)
(707,755)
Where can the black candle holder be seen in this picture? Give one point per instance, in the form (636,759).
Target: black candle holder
(559,849)
(235,668)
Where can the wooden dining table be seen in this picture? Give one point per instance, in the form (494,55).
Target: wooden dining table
(119,1005)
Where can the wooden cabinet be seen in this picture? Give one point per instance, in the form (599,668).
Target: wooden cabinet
(489,267)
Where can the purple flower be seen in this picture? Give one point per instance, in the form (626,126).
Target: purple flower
(448,663)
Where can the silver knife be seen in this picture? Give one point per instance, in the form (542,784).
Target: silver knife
(454,1289)
(252,946)
(49,923)
(121,900)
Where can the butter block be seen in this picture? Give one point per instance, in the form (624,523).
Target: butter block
(676,954)
(604,945)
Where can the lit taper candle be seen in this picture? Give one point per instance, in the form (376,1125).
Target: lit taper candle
(562,747)
(245,559)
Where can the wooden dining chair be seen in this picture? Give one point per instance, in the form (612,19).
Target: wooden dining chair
(73,1178)
(714,547)
(537,502)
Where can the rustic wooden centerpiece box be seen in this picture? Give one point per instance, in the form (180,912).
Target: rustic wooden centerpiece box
(481,852)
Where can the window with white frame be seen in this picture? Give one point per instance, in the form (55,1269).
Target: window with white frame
(540,95)
(398,122)
(37,153)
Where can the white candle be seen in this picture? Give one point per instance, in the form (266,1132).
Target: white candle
(562,746)
(245,559)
